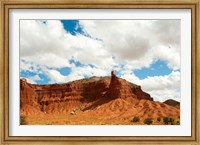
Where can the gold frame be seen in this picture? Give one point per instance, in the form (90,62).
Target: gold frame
(184,4)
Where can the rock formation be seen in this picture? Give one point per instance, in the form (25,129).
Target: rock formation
(120,88)
(85,94)
(172,102)
(28,103)
(56,98)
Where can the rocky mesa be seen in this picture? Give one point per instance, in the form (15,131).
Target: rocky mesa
(103,97)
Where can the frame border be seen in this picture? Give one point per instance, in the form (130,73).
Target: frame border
(98,4)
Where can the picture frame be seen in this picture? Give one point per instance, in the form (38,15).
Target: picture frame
(6,5)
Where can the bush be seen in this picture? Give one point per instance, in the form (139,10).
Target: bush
(171,120)
(148,121)
(136,119)
(159,119)
(178,122)
(23,120)
(166,120)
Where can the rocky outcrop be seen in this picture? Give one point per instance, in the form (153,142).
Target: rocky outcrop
(62,98)
(28,95)
(120,88)
(172,102)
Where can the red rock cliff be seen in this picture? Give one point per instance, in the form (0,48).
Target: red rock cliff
(120,88)
(62,98)
(28,95)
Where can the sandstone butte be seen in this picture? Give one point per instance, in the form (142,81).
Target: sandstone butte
(103,97)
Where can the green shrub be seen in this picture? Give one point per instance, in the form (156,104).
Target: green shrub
(159,119)
(148,121)
(136,119)
(166,120)
(171,120)
(178,122)
(23,120)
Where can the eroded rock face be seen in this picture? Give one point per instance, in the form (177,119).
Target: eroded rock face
(120,88)
(28,97)
(62,98)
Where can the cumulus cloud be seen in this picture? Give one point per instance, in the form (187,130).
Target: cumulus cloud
(162,88)
(33,79)
(135,41)
(169,54)
(46,43)
(171,81)
(121,45)
(76,73)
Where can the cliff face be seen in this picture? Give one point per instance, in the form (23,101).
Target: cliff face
(120,88)
(62,98)
(28,103)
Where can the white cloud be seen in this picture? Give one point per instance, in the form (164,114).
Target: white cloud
(28,66)
(169,54)
(55,76)
(133,44)
(163,95)
(130,77)
(33,79)
(137,42)
(37,37)
(170,81)
(82,72)
(76,73)
(46,43)
(160,88)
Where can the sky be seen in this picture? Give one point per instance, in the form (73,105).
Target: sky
(144,52)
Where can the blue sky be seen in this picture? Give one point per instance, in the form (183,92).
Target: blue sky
(53,51)
(71,26)
(158,68)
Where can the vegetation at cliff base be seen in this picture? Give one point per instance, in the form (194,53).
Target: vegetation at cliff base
(148,121)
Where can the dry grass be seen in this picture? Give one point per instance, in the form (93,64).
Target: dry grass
(83,119)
